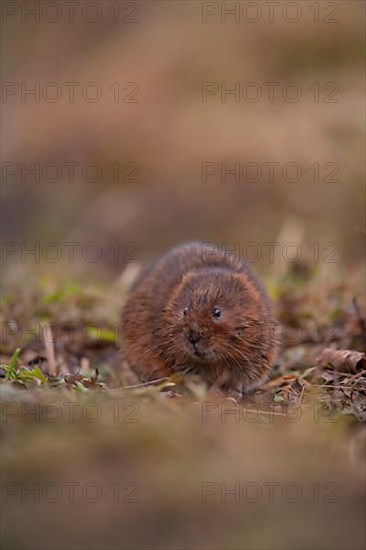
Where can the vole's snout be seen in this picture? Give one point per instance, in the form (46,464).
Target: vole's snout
(193,336)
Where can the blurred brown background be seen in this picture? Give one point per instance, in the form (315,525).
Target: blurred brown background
(168,50)
(146,140)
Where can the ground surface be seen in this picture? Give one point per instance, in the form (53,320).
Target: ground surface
(90,463)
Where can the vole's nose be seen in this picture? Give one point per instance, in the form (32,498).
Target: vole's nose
(193,336)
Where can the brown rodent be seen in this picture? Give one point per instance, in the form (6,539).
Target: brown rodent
(199,310)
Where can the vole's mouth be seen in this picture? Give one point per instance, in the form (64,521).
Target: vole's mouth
(196,347)
(198,352)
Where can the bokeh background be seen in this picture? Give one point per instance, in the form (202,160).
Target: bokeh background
(159,54)
(160,141)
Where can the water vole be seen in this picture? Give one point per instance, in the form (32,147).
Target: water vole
(200,313)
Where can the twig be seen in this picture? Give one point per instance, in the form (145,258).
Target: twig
(143,384)
(49,345)
(301,394)
(329,386)
(355,376)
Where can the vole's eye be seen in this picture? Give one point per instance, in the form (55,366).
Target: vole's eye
(216,312)
(185,311)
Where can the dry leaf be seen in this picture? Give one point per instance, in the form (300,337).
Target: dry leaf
(344,360)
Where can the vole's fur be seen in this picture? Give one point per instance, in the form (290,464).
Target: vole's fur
(203,313)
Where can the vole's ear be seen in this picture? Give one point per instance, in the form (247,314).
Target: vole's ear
(242,283)
(238,281)
(174,298)
(187,279)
